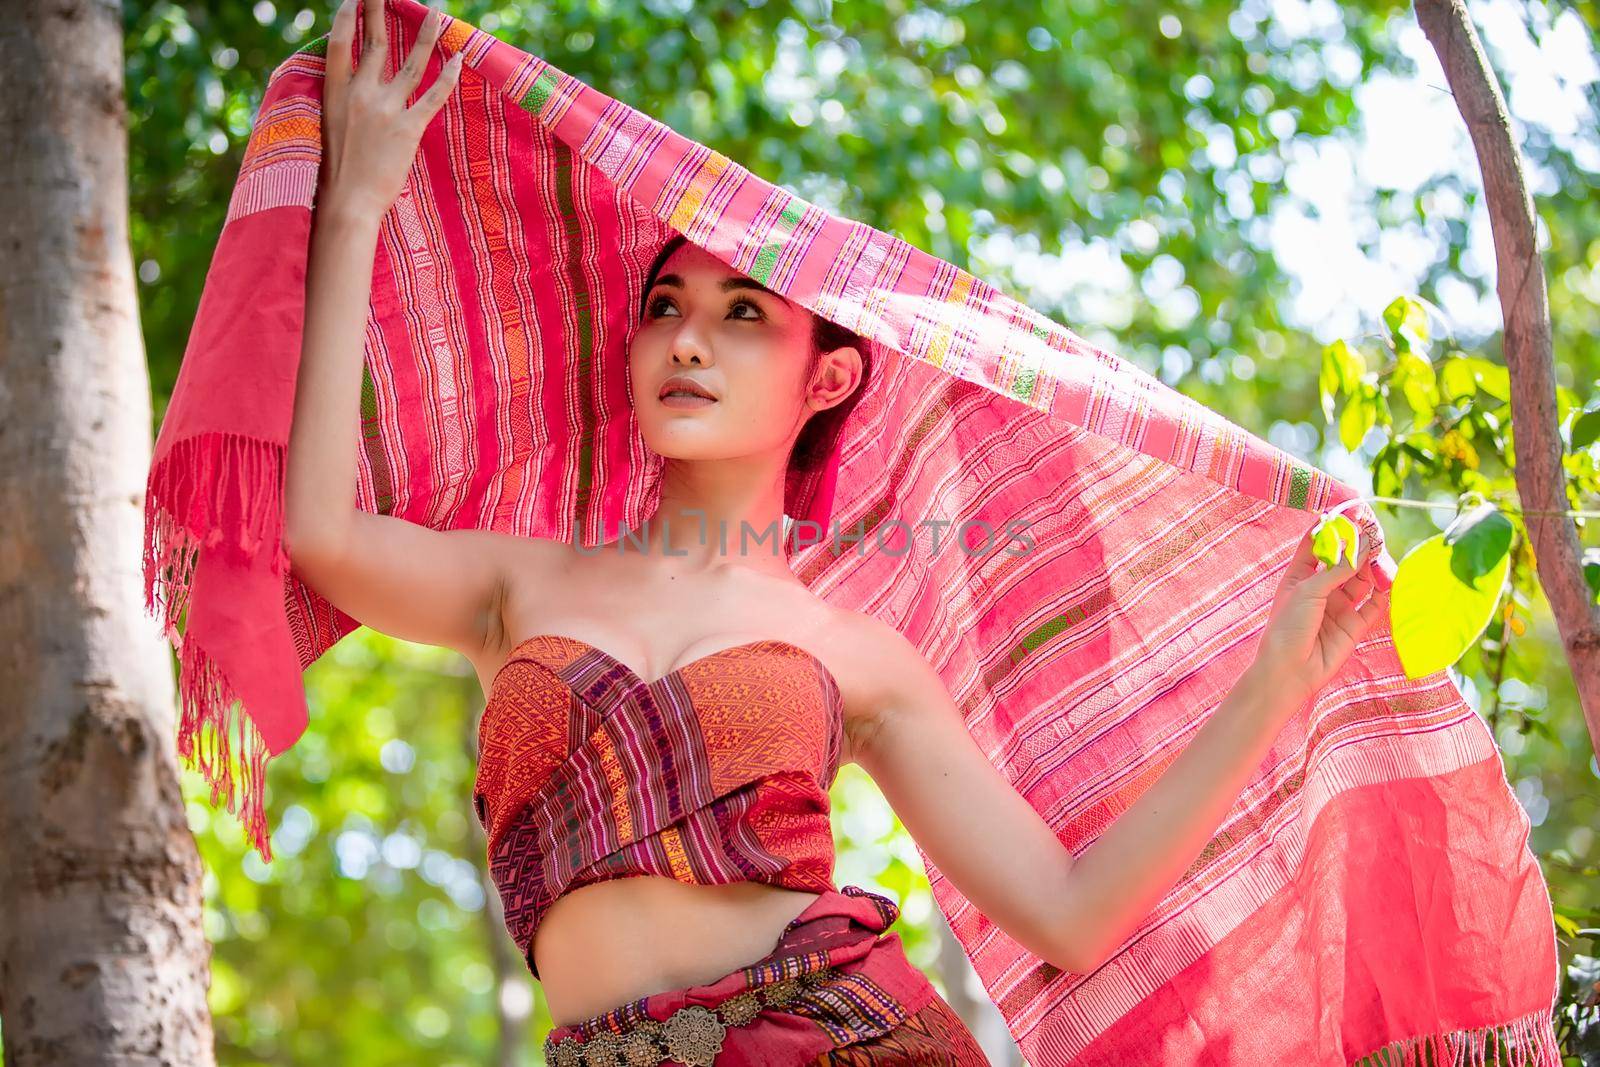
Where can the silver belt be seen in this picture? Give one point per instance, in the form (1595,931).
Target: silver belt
(692,1035)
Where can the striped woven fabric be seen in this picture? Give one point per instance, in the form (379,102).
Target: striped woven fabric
(716,773)
(836,991)
(1371,888)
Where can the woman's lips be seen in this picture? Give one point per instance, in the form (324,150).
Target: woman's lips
(684,400)
(684,383)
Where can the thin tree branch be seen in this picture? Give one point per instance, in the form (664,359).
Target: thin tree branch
(1525,307)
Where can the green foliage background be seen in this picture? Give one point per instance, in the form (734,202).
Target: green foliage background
(1157,131)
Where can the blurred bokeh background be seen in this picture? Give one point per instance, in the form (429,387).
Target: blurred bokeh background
(1214,190)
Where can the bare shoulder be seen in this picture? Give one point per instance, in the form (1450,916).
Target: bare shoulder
(513,553)
(532,569)
(881,672)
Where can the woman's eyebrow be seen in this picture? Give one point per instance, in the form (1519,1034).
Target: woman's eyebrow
(728,285)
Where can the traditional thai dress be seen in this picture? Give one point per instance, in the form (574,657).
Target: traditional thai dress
(1085,555)
(715,773)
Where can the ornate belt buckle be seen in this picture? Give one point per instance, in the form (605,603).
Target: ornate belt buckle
(693,1036)
(603,1050)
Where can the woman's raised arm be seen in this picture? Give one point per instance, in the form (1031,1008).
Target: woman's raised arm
(436,587)
(998,851)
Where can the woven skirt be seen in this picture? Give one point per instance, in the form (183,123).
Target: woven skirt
(835,990)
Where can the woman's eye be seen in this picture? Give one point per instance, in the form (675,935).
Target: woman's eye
(661,303)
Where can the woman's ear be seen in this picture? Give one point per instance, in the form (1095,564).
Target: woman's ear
(837,375)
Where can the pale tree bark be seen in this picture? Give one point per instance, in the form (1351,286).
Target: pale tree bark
(1525,307)
(102,955)
(975,1008)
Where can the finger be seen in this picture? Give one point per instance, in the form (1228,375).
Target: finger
(336,77)
(1356,623)
(1368,577)
(376,45)
(1303,563)
(1347,597)
(429,103)
(1304,551)
(1352,599)
(1342,630)
(411,72)
(1325,581)
(340,38)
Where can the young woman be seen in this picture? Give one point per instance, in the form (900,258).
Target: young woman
(691,917)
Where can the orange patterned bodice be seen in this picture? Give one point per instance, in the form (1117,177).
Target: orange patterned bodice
(716,772)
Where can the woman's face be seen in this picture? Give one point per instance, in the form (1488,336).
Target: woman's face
(748,347)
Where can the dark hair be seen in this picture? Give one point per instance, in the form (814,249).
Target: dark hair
(817,436)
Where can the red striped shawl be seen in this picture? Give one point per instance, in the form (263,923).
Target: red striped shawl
(1371,886)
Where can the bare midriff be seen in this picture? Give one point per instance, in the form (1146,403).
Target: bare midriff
(611,943)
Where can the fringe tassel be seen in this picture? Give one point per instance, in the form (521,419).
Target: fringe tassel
(201,483)
(222,492)
(208,730)
(1526,1042)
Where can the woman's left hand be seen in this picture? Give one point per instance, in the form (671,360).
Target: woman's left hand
(1317,617)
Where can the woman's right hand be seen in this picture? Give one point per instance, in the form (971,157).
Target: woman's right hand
(1316,619)
(369,136)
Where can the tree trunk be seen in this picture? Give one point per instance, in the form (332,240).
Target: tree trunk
(980,1015)
(102,955)
(1525,307)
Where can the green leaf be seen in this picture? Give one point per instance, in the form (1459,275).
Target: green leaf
(1566,400)
(1585,429)
(1416,380)
(1474,480)
(1542,728)
(1356,419)
(1386,481)
(1445,591)
(1389,469)
(1407,320)
(1481,539)
(1591,571)
(1492,378)
(1457,379)
(1334,535)
(1342,369)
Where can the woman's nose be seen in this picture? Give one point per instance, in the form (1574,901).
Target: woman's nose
(687,348)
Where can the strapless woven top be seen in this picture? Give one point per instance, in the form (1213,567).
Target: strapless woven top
(717,772)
